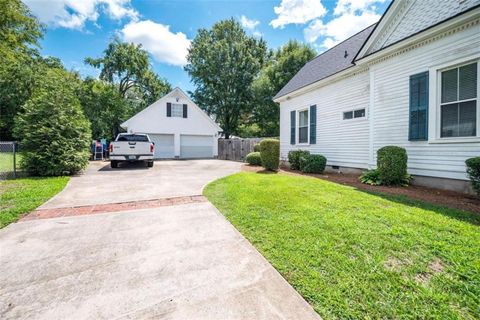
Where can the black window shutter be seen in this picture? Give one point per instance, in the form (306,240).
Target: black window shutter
(418,109)
(185,111)
(169,109)
(313,124)
(292,127)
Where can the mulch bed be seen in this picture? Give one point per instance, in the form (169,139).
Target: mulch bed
(445,198)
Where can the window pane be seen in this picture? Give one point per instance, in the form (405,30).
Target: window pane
(303,135)
(449,85)
(177,110)
(348,115)
(468,81)
(303,118)
(359,113)
(449,115)
(468,119)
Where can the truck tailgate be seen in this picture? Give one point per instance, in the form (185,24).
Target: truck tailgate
(131,148)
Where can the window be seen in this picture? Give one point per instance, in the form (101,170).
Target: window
(418,108)
(177,110)
(458,102)
(303,126)
(348,115)
(359,113)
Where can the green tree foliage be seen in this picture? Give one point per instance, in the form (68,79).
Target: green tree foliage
(127,65)
(223,62)
(281,67)
(19,30)
(53,132)
(19,58)
(104,107)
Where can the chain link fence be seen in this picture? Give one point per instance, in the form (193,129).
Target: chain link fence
(9,159)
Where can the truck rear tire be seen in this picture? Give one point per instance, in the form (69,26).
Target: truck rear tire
(114,164)
(150,164)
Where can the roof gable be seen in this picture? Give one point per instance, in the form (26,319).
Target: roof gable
(177,94)
(330,62)
(405,18)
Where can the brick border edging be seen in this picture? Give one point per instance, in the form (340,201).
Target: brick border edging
(110,207)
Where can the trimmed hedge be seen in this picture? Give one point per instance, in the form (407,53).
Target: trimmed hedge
(254,159)
(294,157)
(313,163)
(392,165)
(270,154)
(473,171)
(256,147)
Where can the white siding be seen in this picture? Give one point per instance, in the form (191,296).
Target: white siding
(355,143)
(391,104)
(343,142)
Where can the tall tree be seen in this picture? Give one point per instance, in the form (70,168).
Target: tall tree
(104,107)
(19,57)
(128,66)
(283,65)
(223,63)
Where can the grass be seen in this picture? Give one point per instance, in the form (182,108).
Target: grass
(358,255)
(20,196)
(6,161)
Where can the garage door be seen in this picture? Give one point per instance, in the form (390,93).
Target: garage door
(164,145)
(196,146)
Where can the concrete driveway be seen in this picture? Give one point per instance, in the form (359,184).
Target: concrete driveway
(182,261)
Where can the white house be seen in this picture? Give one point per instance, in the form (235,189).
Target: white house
(411,80)
(178,127)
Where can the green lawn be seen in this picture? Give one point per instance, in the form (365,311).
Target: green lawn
(357,255)
(6,161)
(23,195)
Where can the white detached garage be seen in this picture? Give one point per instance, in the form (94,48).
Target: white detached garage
(178,127)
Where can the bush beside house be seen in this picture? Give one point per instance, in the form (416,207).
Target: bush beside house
(473,171)
(254,159)
(53,132)
(313,163)
(391,168)
(270,153)
(294,158)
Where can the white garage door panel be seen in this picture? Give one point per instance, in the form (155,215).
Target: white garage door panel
(196,146)
(164,145)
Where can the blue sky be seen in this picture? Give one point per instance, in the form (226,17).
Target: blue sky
(80,28)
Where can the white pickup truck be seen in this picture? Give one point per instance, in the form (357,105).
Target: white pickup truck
(131,147)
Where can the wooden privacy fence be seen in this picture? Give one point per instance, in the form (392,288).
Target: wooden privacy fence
(236,149)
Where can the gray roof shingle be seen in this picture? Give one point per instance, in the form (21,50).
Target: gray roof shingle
(328,63)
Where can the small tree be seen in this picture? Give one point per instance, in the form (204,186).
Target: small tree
(53,132)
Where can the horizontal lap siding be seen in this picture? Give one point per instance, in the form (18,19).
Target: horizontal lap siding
(343,142)
(391,106)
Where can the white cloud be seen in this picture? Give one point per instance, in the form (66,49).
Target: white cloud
(350,17)
(340,28)
(297,12)
(249,24)
(351,6)
(73,14)
(164,45)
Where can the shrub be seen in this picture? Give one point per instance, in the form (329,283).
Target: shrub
(294,157)
(256,147)
(254,159)
(313,163)
(473,171)
(371,177)
(53,132)
(392,165)
(270,153)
